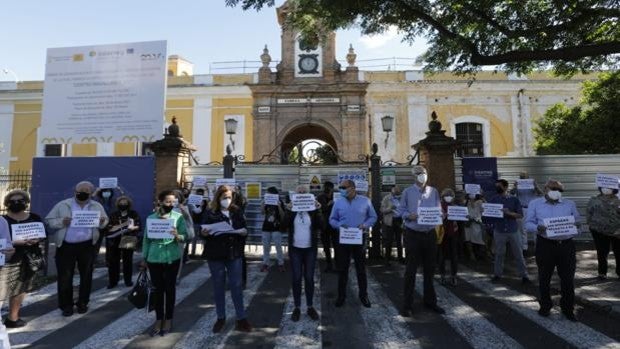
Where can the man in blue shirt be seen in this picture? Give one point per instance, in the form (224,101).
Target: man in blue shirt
(553,251)
(525,196)
(352,211)
(505,230)
(420,240)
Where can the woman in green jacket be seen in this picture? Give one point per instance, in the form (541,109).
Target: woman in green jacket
(162,257)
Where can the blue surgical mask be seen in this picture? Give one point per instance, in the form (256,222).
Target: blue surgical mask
(343,192)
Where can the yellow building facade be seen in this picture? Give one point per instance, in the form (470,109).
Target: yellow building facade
(494,115)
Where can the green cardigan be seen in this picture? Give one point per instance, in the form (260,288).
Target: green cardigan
(164,250)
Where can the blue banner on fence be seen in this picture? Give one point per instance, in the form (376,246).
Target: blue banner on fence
(481,171)
(54,179)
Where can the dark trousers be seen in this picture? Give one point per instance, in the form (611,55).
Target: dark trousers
(421,250)
(329,240)
(603,243)
(113,257)
(303,261)
(164,278)
(449,249)
(393,234)
(549,255)
(345,252)
(67,256)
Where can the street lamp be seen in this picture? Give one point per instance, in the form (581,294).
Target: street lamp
(387,122)
(231,129)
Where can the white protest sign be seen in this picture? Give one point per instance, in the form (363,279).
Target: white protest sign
(85,219)
(194,199)
(2,259)
(361,186)
(108,183)
(28,231)
(430,215)
(606,181)
(350,236)
(524,184)
(271,199)
(303,202)
(472,188)
(2,244)
(560,226)
(231,182)
(493,210)
(159,228)
(105,93)
(199,181)
(458,213)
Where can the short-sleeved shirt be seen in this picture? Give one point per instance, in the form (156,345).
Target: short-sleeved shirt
(507,224)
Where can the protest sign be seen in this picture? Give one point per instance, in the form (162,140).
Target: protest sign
(606,181)
(85,219)
(303,202)
(524,184)
(472,188)
(199,181)
(351,236)
(272,199)
(2,244)
(108,183)
(194,199)
(231,182)
(28,231)
(560,226)
(458,213)
(493,210)
(159,228)
(429,215)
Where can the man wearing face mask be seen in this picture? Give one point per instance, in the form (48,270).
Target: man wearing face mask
(352,211)
(391,229)
(420,240)
(556,251)
(525,195)
(75,246)
(505,230)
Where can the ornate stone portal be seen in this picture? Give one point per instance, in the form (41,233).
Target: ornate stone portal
(309,97)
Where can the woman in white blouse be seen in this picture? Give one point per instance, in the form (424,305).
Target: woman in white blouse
(304,229)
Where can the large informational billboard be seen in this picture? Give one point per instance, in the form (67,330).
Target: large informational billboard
(105,93)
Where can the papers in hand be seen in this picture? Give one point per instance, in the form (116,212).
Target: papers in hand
(159,228)
(219,228)
(351,236)
(560,226)
(85,219)
(493,210)
(28,231)
(458,213)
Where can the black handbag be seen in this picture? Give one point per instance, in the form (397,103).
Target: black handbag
(32,263)
(142,293)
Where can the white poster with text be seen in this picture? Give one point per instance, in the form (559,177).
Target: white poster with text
(351,236)
(430,215)
(159,228)
(560,226)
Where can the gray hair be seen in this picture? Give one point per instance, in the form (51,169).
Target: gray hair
(302,187)
(85,183)
(418,169)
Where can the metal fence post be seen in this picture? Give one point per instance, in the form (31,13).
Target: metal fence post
(375,176)
(229,162)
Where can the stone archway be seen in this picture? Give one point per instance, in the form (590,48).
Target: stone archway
(297,135)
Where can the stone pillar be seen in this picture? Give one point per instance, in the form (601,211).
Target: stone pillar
(171,153)
(436,153)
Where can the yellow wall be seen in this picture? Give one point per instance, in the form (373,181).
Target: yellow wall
(183,110)
(125,149)
(84,149)
(231,106)
(24,137)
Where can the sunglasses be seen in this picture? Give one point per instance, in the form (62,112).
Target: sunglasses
(343,187)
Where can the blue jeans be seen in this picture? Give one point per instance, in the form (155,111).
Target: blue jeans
(220,270)
(303,261)
(514,239)
(276,237)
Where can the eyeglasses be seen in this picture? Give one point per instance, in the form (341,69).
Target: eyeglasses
(343,187)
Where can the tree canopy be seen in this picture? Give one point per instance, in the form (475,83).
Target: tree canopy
(464,35)
(591,127)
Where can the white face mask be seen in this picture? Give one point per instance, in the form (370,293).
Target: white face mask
(422,177)
(554,195)
(472,196)
(448,199)
(106,194)
(607,191)
(225,203)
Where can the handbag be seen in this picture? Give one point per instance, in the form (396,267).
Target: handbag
(142,293)
(128,242)
(32,263)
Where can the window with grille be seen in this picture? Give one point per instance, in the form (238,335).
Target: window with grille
(469,134)
(53,150)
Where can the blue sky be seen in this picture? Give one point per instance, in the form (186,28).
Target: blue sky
(202,31)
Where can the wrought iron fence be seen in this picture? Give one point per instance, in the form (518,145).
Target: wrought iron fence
(10,181)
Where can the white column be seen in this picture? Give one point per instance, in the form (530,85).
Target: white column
(7,111)
(105,149)
(201,134)
(417,109)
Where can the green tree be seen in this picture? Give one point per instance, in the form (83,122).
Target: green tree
(464,35)
(591,127)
